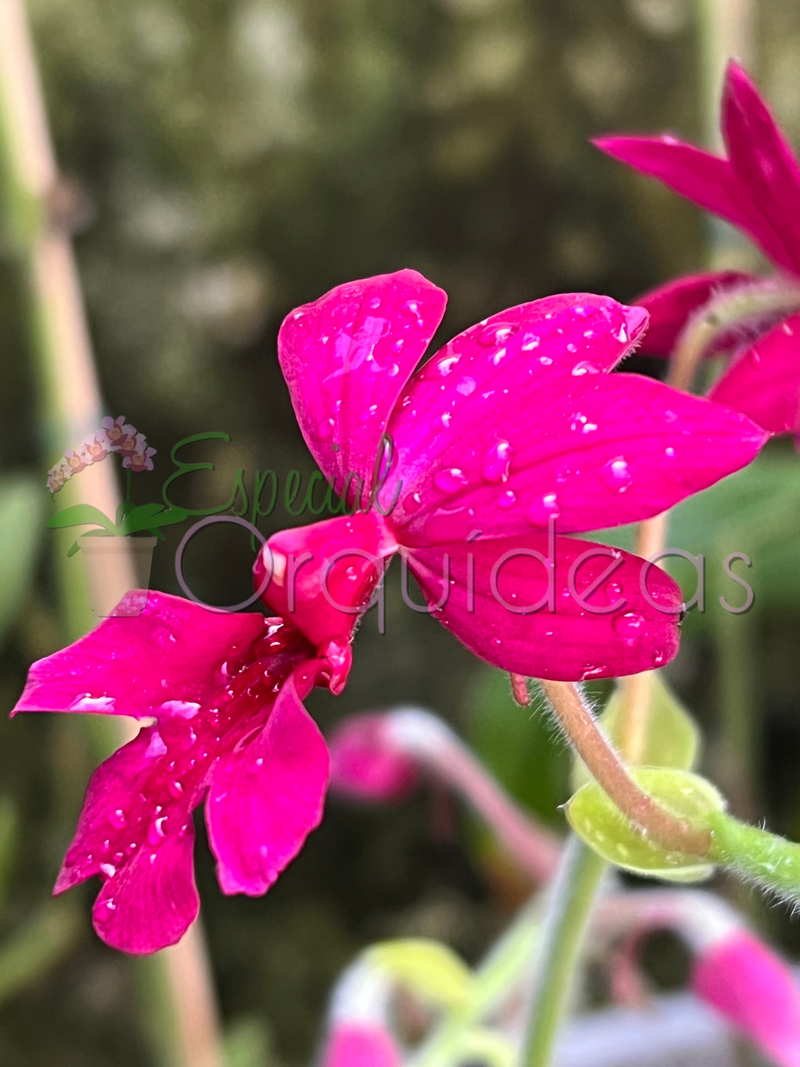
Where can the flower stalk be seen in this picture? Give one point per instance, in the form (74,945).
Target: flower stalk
(570,903)
(610,773)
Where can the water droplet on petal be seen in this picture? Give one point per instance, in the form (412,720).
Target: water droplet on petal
(450,480)
(669,453)
(446,364)
(466,386)
(628,627)
(507,499)
(375,303)
(497,334)
(325,428)
(583,367)
(497,462)
(542,510)
(412,307)
(617,474)
(412,503)
(117,818)
(593,670)
(496,642)
(394,370)
(530,341)
(658,658)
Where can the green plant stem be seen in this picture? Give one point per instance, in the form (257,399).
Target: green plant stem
(571,898)
(71,407)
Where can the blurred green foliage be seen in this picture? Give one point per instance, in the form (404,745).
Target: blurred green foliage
(224,161)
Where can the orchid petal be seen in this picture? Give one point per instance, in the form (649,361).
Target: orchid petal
(705,179)
(346,358)
(764,382)
(324,574)
(366,762)
(762,159)
(141,665)
(266,796)
(361,1044)
(153,901)
(672,305)
(493,587)
(594,451)
(755,991)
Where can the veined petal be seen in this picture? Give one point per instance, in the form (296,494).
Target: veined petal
(153,901)
(346,358)
(505,607)
(324,574)
(706,180)
(141,665)
(764,382)
(593,451)
(763,160)
(266,796)
(672,305)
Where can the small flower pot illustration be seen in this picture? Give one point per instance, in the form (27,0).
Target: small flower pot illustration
(113,567)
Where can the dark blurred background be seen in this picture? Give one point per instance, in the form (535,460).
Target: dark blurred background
(225,161)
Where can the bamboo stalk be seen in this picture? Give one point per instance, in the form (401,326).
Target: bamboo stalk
(71,399)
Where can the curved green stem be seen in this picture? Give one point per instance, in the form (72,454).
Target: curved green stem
(570,905)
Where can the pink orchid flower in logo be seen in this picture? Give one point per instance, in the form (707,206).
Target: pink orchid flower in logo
(513,424)
(96,447)
(225,692)
(120,433)
(141,459)
(756,187)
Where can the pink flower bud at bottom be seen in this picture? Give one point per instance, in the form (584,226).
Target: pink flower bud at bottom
(354,1044)
(755,991)
(367,763)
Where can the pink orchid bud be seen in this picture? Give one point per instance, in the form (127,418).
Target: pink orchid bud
(366,761)
(361,1044)
(753,988)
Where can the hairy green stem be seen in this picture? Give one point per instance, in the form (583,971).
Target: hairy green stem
(570,905)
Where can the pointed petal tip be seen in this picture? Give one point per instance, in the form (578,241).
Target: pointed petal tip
(636,319)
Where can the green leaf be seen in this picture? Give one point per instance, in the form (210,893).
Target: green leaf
(80,515)
(484,1046)
(598,822)
(427,968)
(151,517)
(21,507)
(671,736)
(761,857)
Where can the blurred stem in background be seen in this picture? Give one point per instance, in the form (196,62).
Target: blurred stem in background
(726,29)
(570,901)
(181,1008)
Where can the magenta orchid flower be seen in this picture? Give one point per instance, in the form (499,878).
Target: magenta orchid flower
(754,990)
(513,424)
(367,764)
(222,698)
(361,1044)
(756,187)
